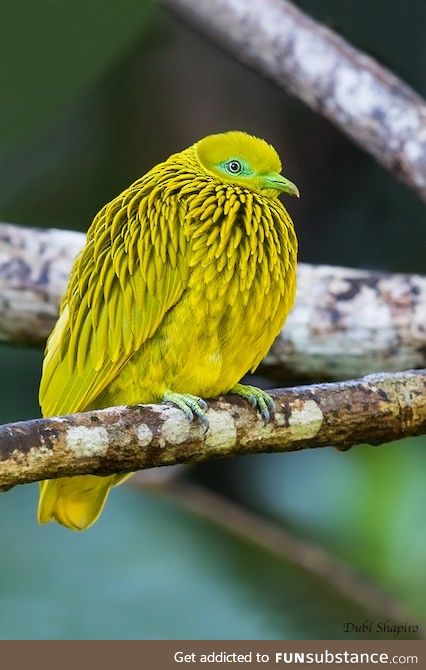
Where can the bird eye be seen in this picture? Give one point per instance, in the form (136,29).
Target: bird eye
(234,166)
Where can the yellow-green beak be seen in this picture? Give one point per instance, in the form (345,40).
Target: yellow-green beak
(279,183)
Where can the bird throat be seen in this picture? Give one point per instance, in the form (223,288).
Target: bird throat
(236,235)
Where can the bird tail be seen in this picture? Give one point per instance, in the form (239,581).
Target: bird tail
(75,502)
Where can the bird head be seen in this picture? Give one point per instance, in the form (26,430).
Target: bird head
(244,160)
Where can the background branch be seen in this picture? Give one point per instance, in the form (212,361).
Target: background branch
(346,322)
(367,102)
(374,409)
(278,540)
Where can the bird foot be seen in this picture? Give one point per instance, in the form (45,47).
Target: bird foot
(191,405)
(259,399)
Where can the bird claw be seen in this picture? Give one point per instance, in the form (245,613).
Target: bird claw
(257,398)
(202,403)
(191,405)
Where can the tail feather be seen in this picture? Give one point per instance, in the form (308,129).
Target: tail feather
(75,502)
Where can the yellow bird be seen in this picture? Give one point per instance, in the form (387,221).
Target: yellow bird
(185,280)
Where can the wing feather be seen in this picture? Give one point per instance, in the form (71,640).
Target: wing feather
(127,277)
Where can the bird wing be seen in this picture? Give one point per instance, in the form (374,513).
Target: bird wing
(132,270)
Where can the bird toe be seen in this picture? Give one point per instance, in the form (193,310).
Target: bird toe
(257,398)
(192,406)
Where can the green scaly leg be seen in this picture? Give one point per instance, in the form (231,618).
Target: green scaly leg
(259,399)
(191,405)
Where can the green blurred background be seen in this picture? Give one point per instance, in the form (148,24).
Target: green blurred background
(93,94)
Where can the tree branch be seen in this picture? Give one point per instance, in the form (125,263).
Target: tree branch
(280,541)
(346,322)
(374,409)
(367,102)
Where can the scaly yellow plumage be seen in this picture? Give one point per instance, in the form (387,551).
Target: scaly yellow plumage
(185,281)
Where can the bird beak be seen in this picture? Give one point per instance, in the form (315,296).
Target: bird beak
(279,183)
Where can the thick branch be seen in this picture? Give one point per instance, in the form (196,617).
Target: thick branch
(374,409)
(376,109)
(346,322)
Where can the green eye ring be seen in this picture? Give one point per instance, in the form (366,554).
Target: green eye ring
(234,166)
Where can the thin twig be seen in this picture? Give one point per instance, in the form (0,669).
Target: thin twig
(278,540)
(375,409)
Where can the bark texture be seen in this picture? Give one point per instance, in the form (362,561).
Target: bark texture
(375,409)
(367,102)
(348,323)
(34,269)
(345,323)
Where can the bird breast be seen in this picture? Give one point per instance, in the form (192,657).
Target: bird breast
(241,281)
